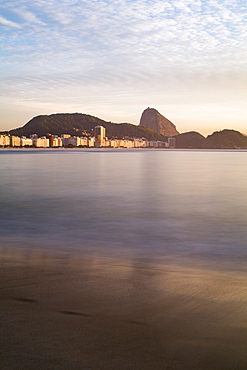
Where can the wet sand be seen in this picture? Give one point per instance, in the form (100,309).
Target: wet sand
(95,312)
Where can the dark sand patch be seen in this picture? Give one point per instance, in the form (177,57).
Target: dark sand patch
(76,313)
(25,300)
(119,314)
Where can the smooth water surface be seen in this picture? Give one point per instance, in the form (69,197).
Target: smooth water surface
(123,259)
(156,204)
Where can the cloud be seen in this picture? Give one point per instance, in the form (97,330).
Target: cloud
(122,50)
(102,31)
(28,16)
(6,22)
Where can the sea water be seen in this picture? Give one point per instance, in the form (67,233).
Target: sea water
(131,259)
(186,205)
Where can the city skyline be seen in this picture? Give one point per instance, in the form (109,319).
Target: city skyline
(113,59)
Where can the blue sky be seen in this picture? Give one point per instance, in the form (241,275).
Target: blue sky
(113,59)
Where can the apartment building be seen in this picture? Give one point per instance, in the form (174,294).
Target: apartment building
(99,140)
(15,141)
(100,136)
(41,142)
(4,140)
(26,141)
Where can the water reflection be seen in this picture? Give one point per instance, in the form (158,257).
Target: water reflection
(189,204)
(134,255)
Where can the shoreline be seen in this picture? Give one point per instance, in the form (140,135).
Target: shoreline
(131,149)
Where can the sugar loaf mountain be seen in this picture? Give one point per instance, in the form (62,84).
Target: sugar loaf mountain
(153,126)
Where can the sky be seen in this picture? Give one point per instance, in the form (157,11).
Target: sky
(113,59)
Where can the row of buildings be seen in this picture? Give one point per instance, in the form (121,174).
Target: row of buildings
(98,140)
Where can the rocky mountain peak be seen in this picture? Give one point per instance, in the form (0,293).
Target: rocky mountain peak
(152,119)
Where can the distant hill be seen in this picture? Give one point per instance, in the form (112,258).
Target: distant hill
(153,119)
(226,139)
(192,139)
(78,124)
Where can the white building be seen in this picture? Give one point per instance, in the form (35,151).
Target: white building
(4,140)
(41,142)
(26,141)
(138,143)
(100,136)
(172,142)
(155,144)
(15,141)
(84,141)
(91,142)
(57,142)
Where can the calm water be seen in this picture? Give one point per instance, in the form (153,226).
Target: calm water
(190,206)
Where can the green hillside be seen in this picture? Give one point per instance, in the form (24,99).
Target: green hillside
(192,139)
(226,139)
(78,123)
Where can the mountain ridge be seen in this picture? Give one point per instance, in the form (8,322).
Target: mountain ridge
(225,139)
(191,139)
(80,124)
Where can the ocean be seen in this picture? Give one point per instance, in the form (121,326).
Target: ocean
(187,204)
(123,259)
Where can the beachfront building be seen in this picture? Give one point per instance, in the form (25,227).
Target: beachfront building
(15,141)
(34,136)
(65,136)
(171,142)
(4,140)
(155,144)
(54,141)
(112,143)
(73,141)
(139,143)
(84,141)
(66,140)
(26,141)
(41,142)
(100,136)
(91,142)
(129,144)
(57,142)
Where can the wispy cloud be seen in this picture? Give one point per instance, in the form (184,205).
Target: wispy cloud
(28,16)
(7,22)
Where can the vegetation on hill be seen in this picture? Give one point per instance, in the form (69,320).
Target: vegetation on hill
(78,124)
(192,139)
(226,139)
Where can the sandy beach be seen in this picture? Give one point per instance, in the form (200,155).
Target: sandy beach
(95,312)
